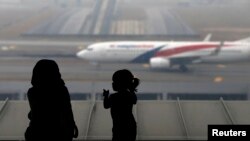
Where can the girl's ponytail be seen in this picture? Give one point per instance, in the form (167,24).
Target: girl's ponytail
(134,85)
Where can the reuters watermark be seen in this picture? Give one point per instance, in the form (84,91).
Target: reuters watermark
(235,132)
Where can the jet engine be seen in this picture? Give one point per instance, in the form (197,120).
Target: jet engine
(159,63)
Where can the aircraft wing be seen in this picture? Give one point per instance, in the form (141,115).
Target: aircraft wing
(185,60)
(195,59)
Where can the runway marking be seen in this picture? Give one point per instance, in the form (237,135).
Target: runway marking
(146,65)
(12,47)
(81,47)
(4,48)
(221,66)
(218,79)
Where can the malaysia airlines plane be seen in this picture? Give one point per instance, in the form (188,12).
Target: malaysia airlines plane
(164,55)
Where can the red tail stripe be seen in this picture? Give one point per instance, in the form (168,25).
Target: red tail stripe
(174,51)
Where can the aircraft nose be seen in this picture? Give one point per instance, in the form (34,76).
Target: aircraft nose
(81,54)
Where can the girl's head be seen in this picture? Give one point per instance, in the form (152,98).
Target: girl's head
(46,73)
(124,80)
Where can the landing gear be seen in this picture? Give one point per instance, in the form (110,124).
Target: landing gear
(96,65)
(183,68)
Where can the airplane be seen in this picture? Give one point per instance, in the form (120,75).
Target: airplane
(166,55)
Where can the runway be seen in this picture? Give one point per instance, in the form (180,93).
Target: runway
(82,77)
(18,57)
(40,48)
(19,68)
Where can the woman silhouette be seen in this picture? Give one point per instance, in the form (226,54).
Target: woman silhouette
(121,104)
(51,116)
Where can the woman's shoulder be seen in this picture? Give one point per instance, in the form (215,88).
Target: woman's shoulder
(31,90)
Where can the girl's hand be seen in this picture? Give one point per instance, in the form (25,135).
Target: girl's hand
(105,92)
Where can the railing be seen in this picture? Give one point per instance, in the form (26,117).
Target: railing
(3,106)
(178,115)
(183,121)
(227,111)
(92,109)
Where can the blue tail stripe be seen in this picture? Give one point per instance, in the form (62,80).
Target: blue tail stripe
(145,57)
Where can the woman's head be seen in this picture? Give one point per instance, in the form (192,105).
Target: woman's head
(46,73)
(124,80)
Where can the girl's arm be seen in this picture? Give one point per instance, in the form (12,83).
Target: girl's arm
(134,98)
(106,101)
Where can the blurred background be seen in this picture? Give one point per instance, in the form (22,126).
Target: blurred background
(31,30)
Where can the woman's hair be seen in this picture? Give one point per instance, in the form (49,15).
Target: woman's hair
(46,73)
(124,79)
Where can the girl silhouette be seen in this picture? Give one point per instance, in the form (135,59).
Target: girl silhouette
(51,116)
(121,104)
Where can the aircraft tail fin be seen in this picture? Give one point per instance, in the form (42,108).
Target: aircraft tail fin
(208,37)
(244,40)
